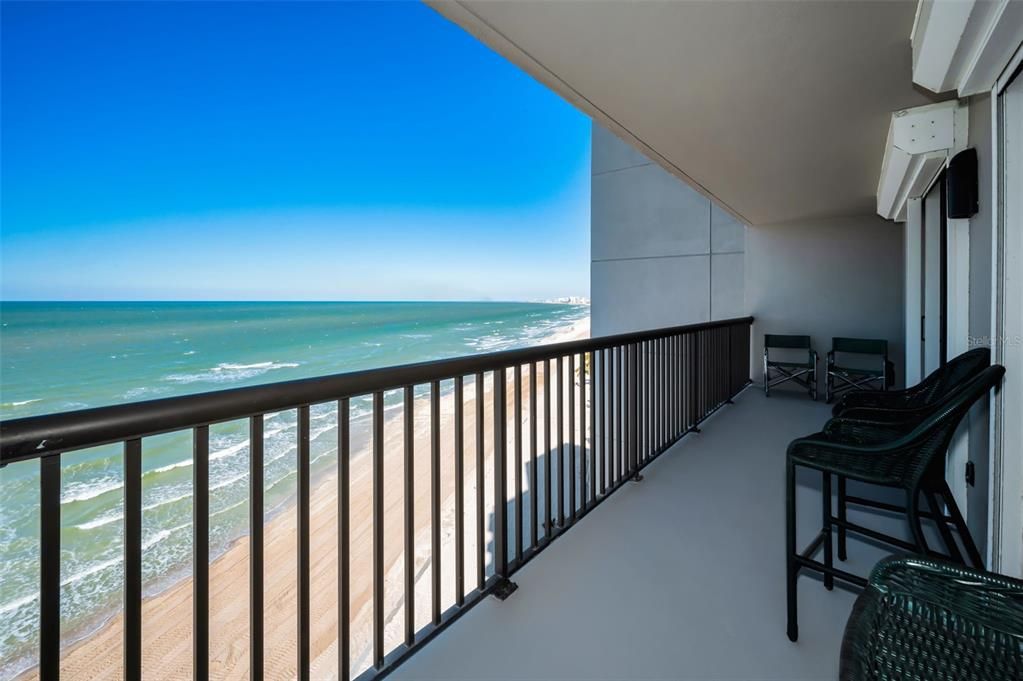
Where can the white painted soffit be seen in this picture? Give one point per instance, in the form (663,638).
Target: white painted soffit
(776,110)
(919,143)
(964,45)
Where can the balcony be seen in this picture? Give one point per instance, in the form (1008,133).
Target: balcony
(679,576)
(552,432)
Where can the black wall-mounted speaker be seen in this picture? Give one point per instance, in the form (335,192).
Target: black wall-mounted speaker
(961,178)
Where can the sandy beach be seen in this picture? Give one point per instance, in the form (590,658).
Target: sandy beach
(167,616)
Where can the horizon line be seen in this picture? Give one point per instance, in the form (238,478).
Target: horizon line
(551,301)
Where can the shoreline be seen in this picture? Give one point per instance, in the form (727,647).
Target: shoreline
(167,612)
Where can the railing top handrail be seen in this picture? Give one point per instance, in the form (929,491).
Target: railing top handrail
(36,436)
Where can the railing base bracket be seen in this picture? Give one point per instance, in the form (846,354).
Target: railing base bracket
(503,588)
(638,477)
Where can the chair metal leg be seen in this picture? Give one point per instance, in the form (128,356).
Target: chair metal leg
(829,579)
(842,555)
(913,514)
(961,527)
(791,568)
(946,534)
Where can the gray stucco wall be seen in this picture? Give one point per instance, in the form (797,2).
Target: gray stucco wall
(661,253)
(980,313)
(826,278)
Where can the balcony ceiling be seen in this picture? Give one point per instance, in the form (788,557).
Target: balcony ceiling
(778,110)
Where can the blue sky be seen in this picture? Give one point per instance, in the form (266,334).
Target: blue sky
(280,151)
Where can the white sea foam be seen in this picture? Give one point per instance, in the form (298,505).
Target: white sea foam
(21,403)
(11,606)
(227,372)
(155,539)
(100,521)
(228,482)
(84,492)
(119,516)
(170,467)
(91,570)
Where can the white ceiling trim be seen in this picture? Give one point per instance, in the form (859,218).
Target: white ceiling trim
(964,45)
(920,141)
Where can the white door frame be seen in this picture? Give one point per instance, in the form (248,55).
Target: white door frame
(913,291)
(1005,543)
(923,281)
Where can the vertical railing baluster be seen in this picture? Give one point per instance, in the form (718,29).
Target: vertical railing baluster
(665,392)
(534,474)
(500,477)
(435,499)
(641,409)
(622,435)
(344,615)
(571,437)
(256,547)
(663,395)
(604,429)
(650,397)
(561,443)
(655,358)
(669,389)
(582,430)
(644,412)
(478,396)
(304,562)
(378,530)
(132,627)
(592,377)
(201,553)
(690,374)
(698,343)
(677,387)
(612,410)
(686,376)
(616,424)
(548,386)
(459,494)
(633,460)
(702,369)
(49,568)
(409,504)
(519,514)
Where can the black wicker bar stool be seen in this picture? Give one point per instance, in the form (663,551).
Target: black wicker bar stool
(911,405)
(873,405)
(900,456)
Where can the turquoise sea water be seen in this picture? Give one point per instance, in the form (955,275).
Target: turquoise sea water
(63,356)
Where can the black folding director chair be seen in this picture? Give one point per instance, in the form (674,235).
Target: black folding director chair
(843,373)
(802,372)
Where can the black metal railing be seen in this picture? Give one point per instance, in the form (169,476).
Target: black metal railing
(609,407)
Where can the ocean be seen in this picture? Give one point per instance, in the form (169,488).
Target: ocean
(63,356)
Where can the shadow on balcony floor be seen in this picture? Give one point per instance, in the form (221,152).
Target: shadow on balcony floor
(680,576)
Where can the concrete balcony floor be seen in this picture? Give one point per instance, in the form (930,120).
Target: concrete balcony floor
(680,576)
